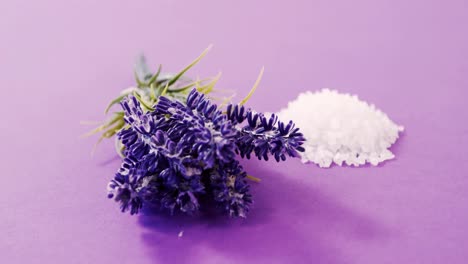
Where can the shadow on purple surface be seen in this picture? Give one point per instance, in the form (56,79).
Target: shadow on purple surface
(289,223)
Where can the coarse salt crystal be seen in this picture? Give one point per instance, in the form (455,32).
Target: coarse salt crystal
(341,129)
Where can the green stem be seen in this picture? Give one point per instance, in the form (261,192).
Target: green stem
(252,178)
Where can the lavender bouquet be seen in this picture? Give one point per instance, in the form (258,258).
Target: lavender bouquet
(180,149)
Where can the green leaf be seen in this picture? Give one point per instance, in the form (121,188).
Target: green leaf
(115,101)
(138,81)
(104,126)
(183,88)
(226,101)
(155,76)
(206,89)
(141,68)
(177,76)
(188,86)
(257,82)
(110,132)
(152,91)
(165,90)
(145,104)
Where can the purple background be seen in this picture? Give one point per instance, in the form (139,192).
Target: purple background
(62,61)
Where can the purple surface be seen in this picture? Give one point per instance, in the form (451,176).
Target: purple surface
(62,61)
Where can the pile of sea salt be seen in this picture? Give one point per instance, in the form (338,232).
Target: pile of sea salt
(340,128)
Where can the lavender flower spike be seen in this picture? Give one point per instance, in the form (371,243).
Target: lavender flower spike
(184,152)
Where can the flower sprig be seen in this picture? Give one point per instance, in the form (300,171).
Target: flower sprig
(180,149)
(181,152)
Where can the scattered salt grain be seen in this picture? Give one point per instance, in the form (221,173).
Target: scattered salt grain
(340,128)
(181,234)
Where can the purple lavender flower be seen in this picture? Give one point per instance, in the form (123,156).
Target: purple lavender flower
(264,136)
(185,151)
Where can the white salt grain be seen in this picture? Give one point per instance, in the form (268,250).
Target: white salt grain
(340,128)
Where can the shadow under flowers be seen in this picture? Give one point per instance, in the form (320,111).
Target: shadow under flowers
(290,222)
